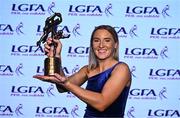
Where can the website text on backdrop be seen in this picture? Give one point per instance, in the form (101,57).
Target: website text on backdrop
(108,79)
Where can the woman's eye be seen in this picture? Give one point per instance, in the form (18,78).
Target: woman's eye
(96,40)
(107,40)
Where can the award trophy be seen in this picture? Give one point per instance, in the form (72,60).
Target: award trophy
(52,64)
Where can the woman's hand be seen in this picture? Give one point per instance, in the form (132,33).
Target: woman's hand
(49,51)
(56,79)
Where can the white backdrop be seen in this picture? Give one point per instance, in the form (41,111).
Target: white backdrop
(149,35)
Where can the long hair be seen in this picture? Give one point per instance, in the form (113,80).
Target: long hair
(93,63)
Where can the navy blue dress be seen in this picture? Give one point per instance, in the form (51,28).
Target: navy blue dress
(96,83)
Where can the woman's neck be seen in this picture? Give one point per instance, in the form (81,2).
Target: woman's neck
(105,64)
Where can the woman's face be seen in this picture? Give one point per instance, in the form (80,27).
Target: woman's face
(103,44)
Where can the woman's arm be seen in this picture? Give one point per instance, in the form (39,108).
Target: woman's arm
(114,86)
(77,78)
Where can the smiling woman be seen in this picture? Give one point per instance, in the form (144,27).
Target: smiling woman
(108,79)
(103,37)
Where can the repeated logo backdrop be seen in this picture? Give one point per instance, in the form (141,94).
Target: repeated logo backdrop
(149,34)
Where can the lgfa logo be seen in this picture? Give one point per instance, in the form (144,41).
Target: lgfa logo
(9,70)
(57,111)
(141,53)
(79,51)
(130,112)
(90,10)
(50,110)
(165,33)
(164,74)
(8,29)
(66,30)
(132,70)
(147,11)
(165,113)
(147,94)
(124,32)
(6,110)
(32,9)
(146,53)
(32,91)
(142,94)
(27,50)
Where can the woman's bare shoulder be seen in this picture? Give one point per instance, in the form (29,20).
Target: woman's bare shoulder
(84,70)
(122,65)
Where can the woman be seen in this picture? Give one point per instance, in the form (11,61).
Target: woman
(108,80)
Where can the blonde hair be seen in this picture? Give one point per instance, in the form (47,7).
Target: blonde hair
(93,63)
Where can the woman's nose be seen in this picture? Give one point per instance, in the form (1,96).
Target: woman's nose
(101,44)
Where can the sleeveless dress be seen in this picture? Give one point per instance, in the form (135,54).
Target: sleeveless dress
(116,109)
